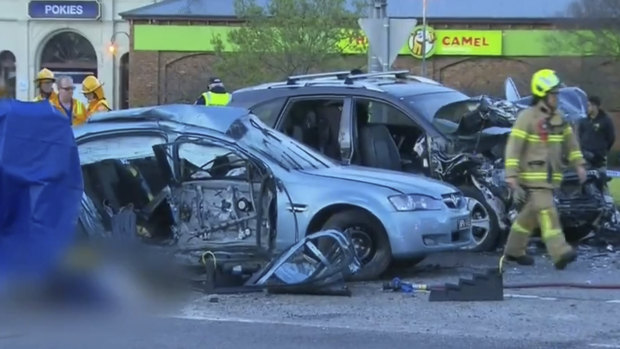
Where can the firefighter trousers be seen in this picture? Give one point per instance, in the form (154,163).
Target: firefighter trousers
(538,212)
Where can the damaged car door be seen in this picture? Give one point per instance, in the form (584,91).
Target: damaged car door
(221,196)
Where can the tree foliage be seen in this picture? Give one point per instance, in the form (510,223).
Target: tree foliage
(592,29)
(597,27)
(286,37)
(593,34)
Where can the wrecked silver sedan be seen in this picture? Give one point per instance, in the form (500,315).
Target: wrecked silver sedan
(216,179)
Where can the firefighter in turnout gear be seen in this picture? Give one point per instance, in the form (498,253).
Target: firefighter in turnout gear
(93,91)
(45,86)
(538,147)
(216,95)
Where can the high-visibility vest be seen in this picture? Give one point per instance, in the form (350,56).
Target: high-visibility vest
(212,98)
(78,111)
(93,107)
(53,96)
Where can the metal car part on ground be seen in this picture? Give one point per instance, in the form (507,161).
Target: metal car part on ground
(401,122)
(199,179)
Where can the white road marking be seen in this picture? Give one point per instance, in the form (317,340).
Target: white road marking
(616,301)
(527,296)
(197,317)
(601,345)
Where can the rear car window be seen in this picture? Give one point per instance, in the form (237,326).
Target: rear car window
(268,112)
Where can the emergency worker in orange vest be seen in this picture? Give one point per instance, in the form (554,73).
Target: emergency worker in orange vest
(93,91)
(45,86)
(66,104)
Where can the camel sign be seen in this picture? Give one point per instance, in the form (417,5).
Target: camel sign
(451,42)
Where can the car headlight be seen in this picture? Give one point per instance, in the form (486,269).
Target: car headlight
(413,202)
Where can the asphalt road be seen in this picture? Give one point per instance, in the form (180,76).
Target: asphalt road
(371,318)
(182,333)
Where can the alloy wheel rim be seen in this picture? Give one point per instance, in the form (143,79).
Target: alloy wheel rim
(362,243)
(480,220)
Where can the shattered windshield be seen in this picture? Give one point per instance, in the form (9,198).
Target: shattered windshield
(427,105)
(448,117)
(282,150)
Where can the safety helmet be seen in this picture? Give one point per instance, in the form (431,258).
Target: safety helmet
(90,84)
(45,74)
(543,82)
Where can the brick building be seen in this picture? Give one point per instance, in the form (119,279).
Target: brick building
(478,43)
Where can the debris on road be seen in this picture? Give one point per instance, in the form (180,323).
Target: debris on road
(302,269)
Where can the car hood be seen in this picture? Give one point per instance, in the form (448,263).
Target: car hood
(405,183)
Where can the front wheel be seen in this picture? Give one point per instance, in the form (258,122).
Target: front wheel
(484,220)
(368,238)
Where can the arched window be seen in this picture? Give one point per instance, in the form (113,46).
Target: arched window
(7,74)
(68,50)
(69,53)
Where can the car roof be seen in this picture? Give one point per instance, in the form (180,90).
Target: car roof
(218,119)
(395,83)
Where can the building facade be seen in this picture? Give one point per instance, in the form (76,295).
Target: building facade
(472,45)
(73,38)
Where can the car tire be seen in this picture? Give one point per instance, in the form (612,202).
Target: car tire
(482,216)
(359,225)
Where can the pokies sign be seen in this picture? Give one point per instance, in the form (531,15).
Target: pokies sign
(452,42)
(64,9)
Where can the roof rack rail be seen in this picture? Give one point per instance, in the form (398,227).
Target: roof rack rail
(291,80)
(423,79)
(400,74)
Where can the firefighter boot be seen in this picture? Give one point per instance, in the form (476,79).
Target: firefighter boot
(565,259)
(516,245)
(560,251)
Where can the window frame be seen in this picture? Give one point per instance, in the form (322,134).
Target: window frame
(282,100)
(345,133)
(403,111)
(105,135)
(212,142)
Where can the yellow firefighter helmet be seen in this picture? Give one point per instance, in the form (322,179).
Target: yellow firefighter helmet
(45,74)
(90,84)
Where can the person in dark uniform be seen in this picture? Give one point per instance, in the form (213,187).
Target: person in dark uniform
(596,134)
(215,95)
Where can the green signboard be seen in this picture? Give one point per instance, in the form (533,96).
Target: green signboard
(451,42)
(445,42)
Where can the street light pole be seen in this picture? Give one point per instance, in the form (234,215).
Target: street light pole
(424,38)
(112,47)
(113,50)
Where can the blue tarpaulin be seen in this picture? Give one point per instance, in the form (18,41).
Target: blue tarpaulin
(40,187)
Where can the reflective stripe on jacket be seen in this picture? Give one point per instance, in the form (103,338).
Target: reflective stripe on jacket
(96,106)
(212,98)
(78,111)
(538,148)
